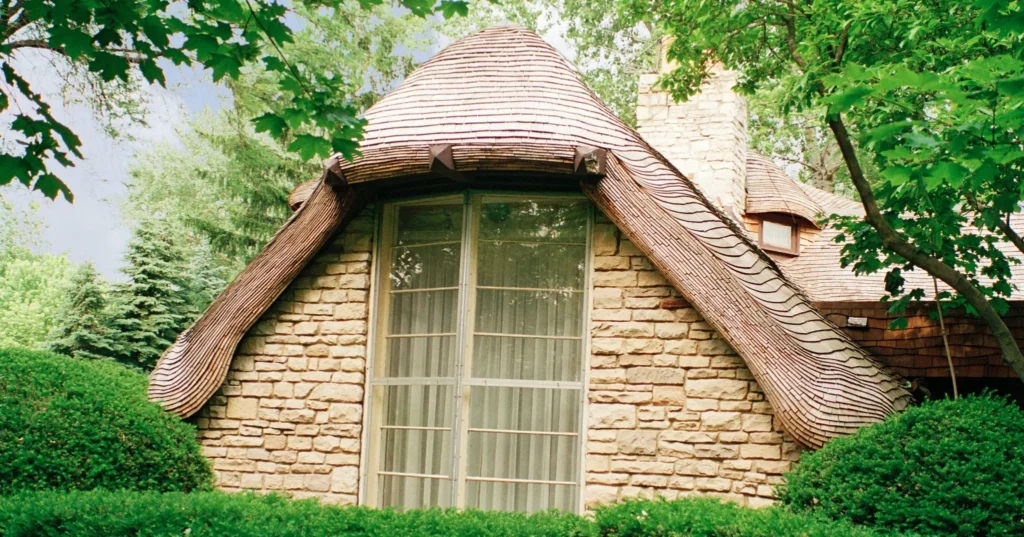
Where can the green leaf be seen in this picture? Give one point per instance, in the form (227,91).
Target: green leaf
(271,123)
(897,175)
(50,185)
(947,172)
(153,73)
(848,99)
(74,42)
(309,146)
(451,8)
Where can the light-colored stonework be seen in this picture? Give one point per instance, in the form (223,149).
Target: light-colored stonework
(704,137)
(289,417)
(672,410)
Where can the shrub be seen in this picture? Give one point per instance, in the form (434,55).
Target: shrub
(944,468)
(215,514)
(68,424)
(708,517)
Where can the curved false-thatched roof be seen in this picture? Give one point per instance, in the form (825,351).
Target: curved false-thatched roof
(771,190)
(503,99)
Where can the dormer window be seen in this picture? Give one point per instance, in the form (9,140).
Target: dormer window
(779,234)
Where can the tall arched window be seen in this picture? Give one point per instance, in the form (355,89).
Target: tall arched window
(476,389)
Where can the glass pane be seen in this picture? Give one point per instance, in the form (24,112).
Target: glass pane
(527,498)
(426,266)
(531,265)
(524,409)
(509,357)
(542,313)
(423,312)
(522,456)
(429,356)
(414,492)
(413,451)
(777,235)
(419,224)
(417,406)
(541,220)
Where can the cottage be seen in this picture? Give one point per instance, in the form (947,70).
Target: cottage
(512,300)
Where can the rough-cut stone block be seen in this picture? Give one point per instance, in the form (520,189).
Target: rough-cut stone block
(612,416)
(717,389)
(637,442)
(654,375)
(242,408)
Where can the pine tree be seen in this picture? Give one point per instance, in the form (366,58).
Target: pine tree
(152,308)
(82,330)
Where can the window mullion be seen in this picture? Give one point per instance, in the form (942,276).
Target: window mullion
(467,308)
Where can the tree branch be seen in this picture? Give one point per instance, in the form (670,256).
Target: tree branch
(893,241)
(1002,225)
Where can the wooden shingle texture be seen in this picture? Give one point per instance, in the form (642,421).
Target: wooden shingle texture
(504,100)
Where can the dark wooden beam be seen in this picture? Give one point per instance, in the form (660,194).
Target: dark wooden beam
(443,163)
(332,172)
(590,161)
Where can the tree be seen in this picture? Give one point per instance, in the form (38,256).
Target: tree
(227,184)
(125,41)
(932,93)
(33,286)
(82,329)
(151,309)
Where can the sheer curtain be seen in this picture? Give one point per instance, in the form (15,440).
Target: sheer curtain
(523,437)
(518,417)
(419,358)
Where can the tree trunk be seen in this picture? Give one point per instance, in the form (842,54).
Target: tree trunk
(894,242)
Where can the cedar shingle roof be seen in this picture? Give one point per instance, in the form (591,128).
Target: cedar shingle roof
(503,99)
(771,190)
(818,269)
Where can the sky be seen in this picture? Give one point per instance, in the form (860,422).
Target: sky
(91,229)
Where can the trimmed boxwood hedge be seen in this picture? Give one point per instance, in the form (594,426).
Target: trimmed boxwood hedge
(72,424)
(944,468)
(708,517)
(88,514)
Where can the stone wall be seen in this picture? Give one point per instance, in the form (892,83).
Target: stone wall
(289,416)
(672,410)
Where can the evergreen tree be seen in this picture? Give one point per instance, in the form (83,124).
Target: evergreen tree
(82,330)
(152,308)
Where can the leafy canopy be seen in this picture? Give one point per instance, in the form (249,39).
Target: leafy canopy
(929,93)
(123,40)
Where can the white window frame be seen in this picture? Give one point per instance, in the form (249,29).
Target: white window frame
(370,437)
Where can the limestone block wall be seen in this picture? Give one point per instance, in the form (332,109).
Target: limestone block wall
(289,416)
(673,410)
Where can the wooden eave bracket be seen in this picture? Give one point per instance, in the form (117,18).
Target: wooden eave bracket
(590,160)
(332,172)
(443,162)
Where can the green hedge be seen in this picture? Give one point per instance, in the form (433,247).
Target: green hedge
(707,517)
(944,468)
(70,424)
(115,514)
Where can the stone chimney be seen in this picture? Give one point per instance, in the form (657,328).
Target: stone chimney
(705,137)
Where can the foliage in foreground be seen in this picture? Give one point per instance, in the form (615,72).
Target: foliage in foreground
(68,424)
(118,45)
(929,93)
(944,468)
(218,514)
(707,517)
